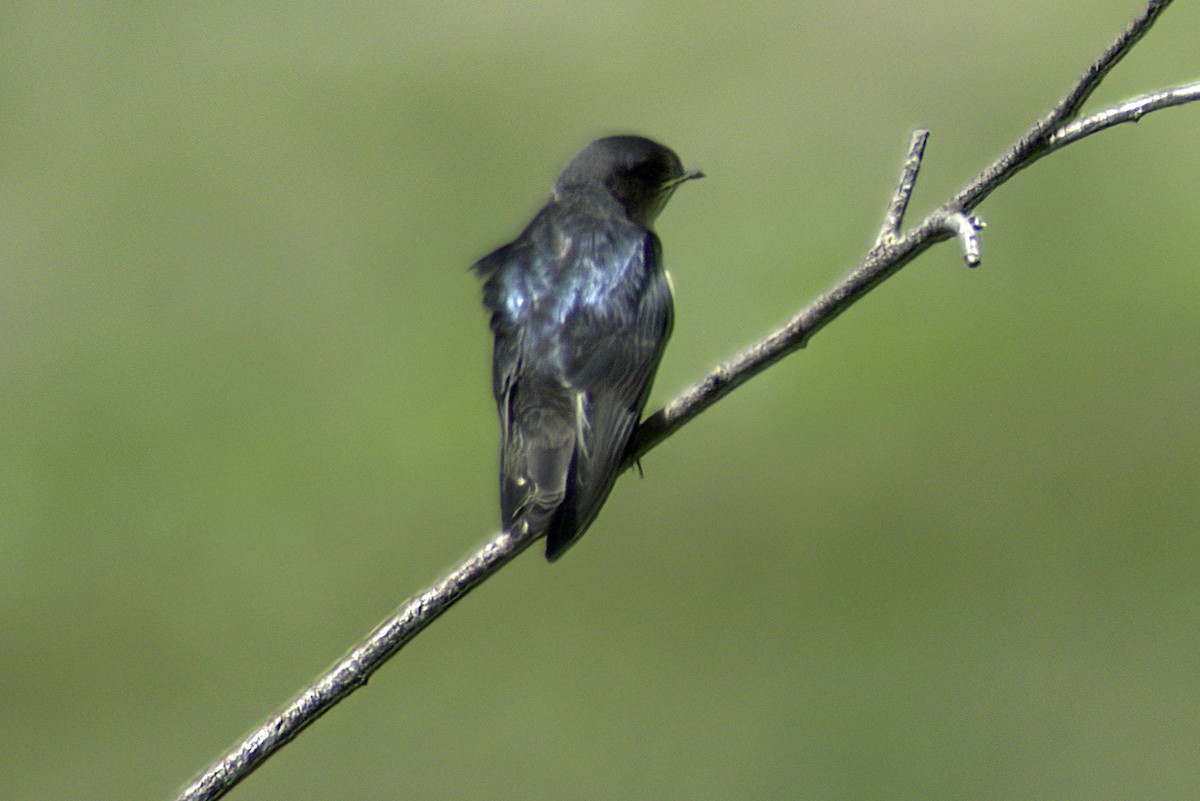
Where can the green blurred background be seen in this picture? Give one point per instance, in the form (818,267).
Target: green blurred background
(948,552)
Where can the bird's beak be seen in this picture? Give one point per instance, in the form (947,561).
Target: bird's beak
(687,176)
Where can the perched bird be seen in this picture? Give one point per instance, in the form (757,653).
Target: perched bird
(581,311)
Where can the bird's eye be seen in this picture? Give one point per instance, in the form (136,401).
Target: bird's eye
(645,174)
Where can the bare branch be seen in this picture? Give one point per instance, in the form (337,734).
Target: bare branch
(883,262)
(890,253)
(353,670)
(1032,146)
(1129,111)
(1069,106)
(894,217)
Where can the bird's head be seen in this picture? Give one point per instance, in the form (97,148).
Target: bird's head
(638,173)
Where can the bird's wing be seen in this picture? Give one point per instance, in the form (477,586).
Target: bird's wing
(537,425)
(609,368)
(536,448)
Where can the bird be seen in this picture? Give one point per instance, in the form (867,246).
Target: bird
(581,310)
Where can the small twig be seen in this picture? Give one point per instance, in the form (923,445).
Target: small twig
(1129,111)
(891,252)
(893,218)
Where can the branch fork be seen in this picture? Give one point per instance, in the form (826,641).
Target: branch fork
(948,221)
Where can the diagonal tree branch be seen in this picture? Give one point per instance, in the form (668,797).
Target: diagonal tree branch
(892,250)
(1032,146)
